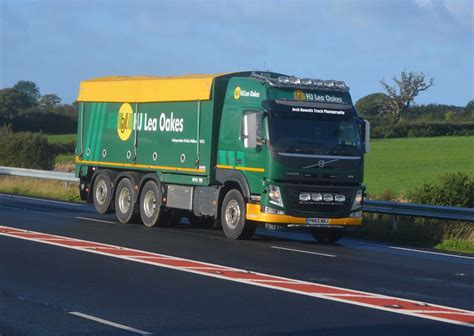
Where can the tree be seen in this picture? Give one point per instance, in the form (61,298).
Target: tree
(469,110)
(11,102)
(372,105)
(30,89)
(49,100)
(402,94)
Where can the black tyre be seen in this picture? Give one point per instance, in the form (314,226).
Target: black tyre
(125,201)
(327,235)
(102,194)
(233,220)
(150,203)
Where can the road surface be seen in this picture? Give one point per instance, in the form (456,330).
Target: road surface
(64,270)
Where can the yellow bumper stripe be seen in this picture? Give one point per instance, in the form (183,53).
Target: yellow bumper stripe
(254,213)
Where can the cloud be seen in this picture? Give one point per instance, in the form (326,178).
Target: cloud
(459,10)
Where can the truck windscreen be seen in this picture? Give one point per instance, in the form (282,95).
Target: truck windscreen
(309,133)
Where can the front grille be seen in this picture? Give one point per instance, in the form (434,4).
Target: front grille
(319,209)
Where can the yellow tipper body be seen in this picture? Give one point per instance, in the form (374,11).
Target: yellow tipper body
(147,89)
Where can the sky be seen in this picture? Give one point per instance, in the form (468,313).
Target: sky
(57,44)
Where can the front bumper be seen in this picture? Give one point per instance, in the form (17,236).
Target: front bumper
(254,213)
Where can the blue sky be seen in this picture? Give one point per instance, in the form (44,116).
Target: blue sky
(59,43)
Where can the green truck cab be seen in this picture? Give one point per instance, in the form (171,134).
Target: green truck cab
(227,150)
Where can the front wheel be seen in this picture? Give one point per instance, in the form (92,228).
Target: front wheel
(327,235)
(233,220)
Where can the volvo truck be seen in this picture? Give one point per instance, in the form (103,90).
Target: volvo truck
(229,150)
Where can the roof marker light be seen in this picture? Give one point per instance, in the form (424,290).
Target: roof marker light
(295,80)
(318,82)
(283,79)
(329,83)
(340,85)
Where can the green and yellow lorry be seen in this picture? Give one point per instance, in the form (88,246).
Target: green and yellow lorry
(230,150)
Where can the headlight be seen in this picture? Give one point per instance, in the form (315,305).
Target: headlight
(272,211)
(274,195)
(357,200)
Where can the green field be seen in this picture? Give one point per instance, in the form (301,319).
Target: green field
(61,138)
(401,165)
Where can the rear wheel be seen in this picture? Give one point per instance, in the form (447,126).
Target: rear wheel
(102,193)
(125,201)
(327,235)
(150,203)
(233,220)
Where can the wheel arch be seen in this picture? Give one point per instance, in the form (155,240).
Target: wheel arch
(229,177)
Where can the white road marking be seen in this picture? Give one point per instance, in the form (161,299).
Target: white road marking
(110,323)
(430,252)
(408,249)
(43,200)
(438,312)
(302,251)
(96,220)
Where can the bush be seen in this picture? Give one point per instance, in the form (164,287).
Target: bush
(452,189)
(42,121)
(25,150)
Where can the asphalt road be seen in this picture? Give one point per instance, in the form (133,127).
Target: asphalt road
(52,290)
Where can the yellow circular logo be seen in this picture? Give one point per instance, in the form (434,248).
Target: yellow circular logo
(298,95)
(237,92)
(124,121)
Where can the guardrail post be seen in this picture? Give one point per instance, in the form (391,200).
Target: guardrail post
(395,223)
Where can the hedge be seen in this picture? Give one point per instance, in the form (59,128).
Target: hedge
(402,130)
(25,150)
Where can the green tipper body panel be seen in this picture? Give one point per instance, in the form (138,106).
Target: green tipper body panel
(171,138)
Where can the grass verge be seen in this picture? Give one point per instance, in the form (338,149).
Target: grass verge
(454,236)
(26,186)
(465,246)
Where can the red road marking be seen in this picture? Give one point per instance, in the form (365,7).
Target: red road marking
(468,319)
(78,243)
(365,299)
(312,288)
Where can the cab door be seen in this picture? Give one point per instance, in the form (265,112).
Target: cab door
(252,161)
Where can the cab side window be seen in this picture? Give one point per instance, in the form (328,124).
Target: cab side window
(252,129)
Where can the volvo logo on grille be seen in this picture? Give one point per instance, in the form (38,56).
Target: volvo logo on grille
(320,164)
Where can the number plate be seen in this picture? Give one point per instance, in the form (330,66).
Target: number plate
(317,220)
